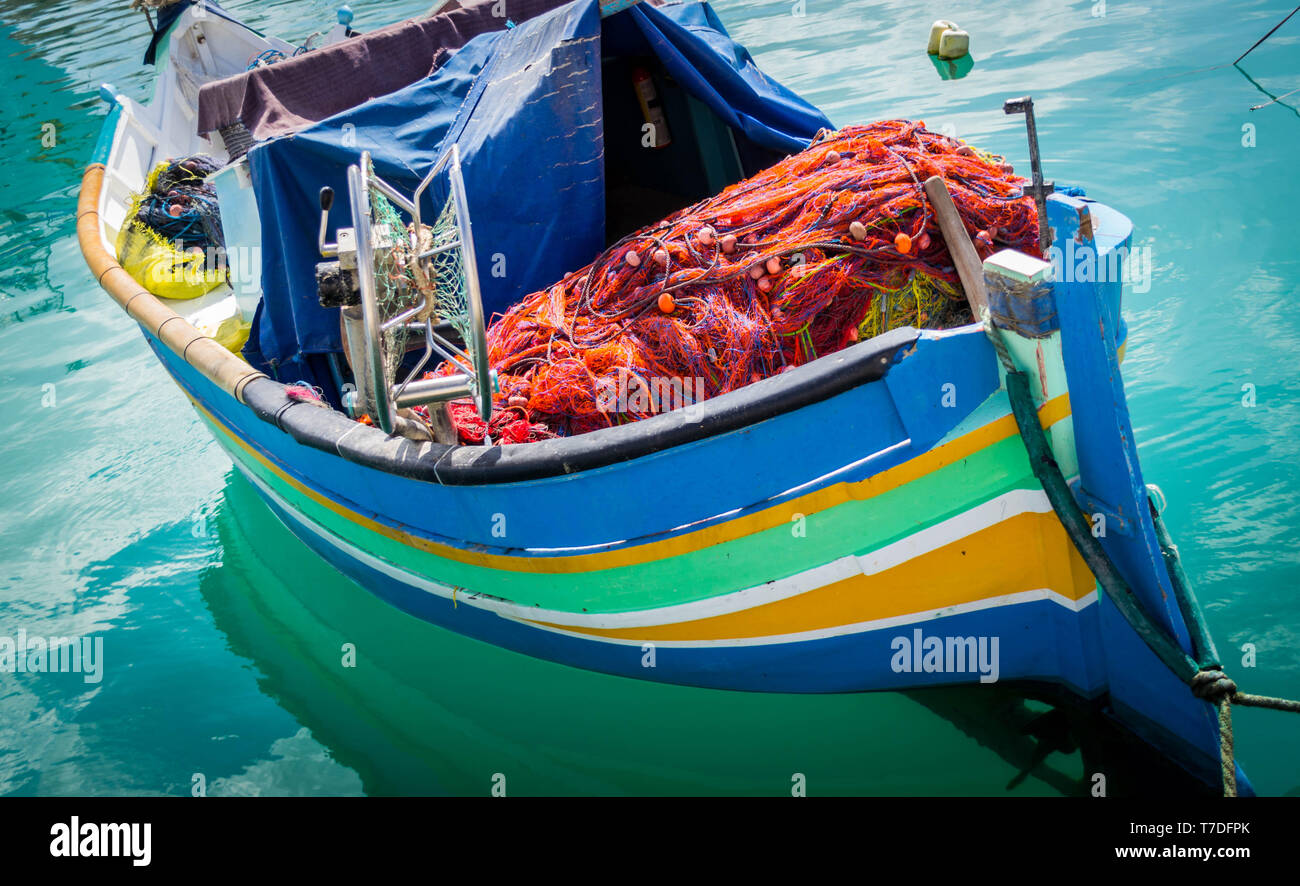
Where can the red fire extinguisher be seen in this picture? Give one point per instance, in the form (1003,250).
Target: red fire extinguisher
(657,136)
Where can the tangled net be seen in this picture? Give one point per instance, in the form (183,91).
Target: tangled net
(171,242)
(180,205)
(830,246)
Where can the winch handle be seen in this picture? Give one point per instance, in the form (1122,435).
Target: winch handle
(327,250)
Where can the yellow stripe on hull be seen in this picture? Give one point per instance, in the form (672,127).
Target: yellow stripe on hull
(948,453)
(1026,552)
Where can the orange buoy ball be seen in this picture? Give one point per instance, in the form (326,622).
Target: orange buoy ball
(632,258)
(903,243)
(924,243)
(666,303)
(983,238)
(853,333)
(175,210)
(774,265)
(858,230)
(756,271)
(765,284)
(517,402)
(966,151)
(661,257)
(706,236)
(728,243)
(832,157)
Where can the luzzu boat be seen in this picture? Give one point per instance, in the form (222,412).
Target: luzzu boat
(737,544)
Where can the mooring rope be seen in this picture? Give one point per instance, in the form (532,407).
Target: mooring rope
(1266,36)
(1204,674)
(1216,687)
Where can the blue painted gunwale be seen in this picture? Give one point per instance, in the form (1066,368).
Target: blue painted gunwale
(881,424)
(1145,695)
(848,663)
(668,493)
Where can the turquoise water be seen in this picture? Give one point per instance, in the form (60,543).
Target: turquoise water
(120,518)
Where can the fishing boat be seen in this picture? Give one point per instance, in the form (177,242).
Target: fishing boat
(923,508)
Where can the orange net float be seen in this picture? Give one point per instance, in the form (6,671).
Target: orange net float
(826,247)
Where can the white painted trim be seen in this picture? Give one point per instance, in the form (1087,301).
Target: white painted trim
(1034,596)
(1006,506)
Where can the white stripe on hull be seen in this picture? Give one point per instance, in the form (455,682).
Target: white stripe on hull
(993,511)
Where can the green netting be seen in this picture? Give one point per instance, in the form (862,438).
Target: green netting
(435,287)
(446,273)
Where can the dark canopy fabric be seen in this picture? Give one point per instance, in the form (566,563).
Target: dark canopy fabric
(168,15)
(278,99)
(524,107)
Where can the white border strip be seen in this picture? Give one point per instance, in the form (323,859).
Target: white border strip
(995,510)
(861,627)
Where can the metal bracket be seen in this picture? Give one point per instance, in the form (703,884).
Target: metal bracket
(1039,189)
(346,248)
(1091,505)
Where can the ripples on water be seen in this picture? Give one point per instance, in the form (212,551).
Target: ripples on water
(120,517)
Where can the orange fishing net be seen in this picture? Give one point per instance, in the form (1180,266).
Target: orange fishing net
(828,246)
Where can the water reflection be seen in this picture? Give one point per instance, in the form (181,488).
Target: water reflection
(953,68)
(425,711)
(1273,99)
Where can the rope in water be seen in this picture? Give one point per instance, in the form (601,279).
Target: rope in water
(1203,672)
(1213,685)
(1232,64)
(829,246)
(1266,36)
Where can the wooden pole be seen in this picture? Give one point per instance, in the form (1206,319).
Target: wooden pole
(969,267)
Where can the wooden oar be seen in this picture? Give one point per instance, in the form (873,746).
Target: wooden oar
(969,267)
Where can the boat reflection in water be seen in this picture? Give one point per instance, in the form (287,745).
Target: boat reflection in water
(427,711)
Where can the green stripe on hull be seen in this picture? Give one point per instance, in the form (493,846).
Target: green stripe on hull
(854,527)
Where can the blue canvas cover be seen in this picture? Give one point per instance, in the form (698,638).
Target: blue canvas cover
(694,46)
(524,107)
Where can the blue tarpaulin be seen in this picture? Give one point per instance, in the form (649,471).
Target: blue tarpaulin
(524,105)
(695,48)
